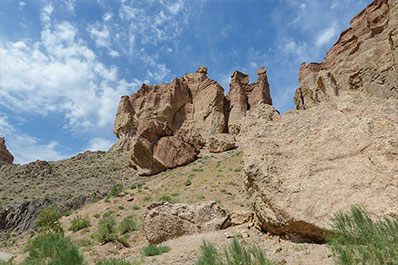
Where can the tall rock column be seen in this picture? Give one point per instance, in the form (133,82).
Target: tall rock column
(5,155)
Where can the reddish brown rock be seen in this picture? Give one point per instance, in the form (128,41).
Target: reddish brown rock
(191,108)
(365,58)
(5,155)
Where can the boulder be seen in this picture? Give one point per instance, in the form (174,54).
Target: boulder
(5,155)
(365,58)
(219,143)
(163,221)
(304,166)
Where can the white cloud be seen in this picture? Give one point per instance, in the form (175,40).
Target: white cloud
(99,144)
(70,5)
(107,16)
(21,5)
(114,53)
(176,7)
(100,36)
(59,74)
(326,35)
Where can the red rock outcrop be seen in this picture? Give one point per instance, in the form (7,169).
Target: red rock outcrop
(164,126)
(364,58)
(5,155)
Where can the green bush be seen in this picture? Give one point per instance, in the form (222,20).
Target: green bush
(116,190)
(154,250)
(48,220)
(187,182)
(52,249)
(128,224)
(112,261)
(234,255)
(106,230)
(166,198)
(79,223)
(357,239)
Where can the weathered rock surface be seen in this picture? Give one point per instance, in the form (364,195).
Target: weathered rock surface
(163,221)
(191,110)
(364,58)
(5,155)
(303,166)
(219,143)
(242,96)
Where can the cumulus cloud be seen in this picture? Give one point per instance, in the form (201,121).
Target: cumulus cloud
(21,5)
(100,36)
(60,74)
(100,144)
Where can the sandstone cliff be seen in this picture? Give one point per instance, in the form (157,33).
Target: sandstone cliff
(5,155)
(340,148)
(165,126)
(365,58)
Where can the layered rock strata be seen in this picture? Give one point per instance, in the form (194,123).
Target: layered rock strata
(340,148)
(165,126)
(365,58)
(5,155)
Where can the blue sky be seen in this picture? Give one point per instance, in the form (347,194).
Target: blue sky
(65,64)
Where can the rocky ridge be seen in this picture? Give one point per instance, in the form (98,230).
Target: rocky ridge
(165,126)
(340,147)
(5,155)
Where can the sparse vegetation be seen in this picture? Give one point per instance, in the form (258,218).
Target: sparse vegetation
(154,250)
(128,224)
(106,230)
(357,239)
(166,198)
(79,223)
(234,255)
(112,261)
(48,220)
(116,190)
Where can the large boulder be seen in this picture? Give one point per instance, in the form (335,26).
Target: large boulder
(364,58)
(5,155)
(163,221)
(219,143)
(304,166)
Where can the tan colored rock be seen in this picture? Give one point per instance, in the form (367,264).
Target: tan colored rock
(241,217)
(163,221)
(172,151)
(365,58)
(5,155)
(242,96)
(219,143)
(304,166)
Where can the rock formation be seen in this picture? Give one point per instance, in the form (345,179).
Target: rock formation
(5,155)
(165,126)
(340,148)
(163,221)
(364,58)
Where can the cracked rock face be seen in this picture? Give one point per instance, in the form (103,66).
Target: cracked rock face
(163,221)
(192,109)
(365,58)
(5,155)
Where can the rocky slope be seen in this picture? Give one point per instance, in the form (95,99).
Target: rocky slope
(340,148)
(5,155)
(165,126)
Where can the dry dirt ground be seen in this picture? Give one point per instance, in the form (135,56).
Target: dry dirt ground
(216,177)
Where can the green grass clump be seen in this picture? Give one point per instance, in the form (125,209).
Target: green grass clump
(48,220)
(154,250)
(79,223)
(166,198)
(233,255)
(187,182)
(135,207)
(112,261)
(116,190)
(106,230)
(128,224)
(68,213)
(52,249)
(357,239)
